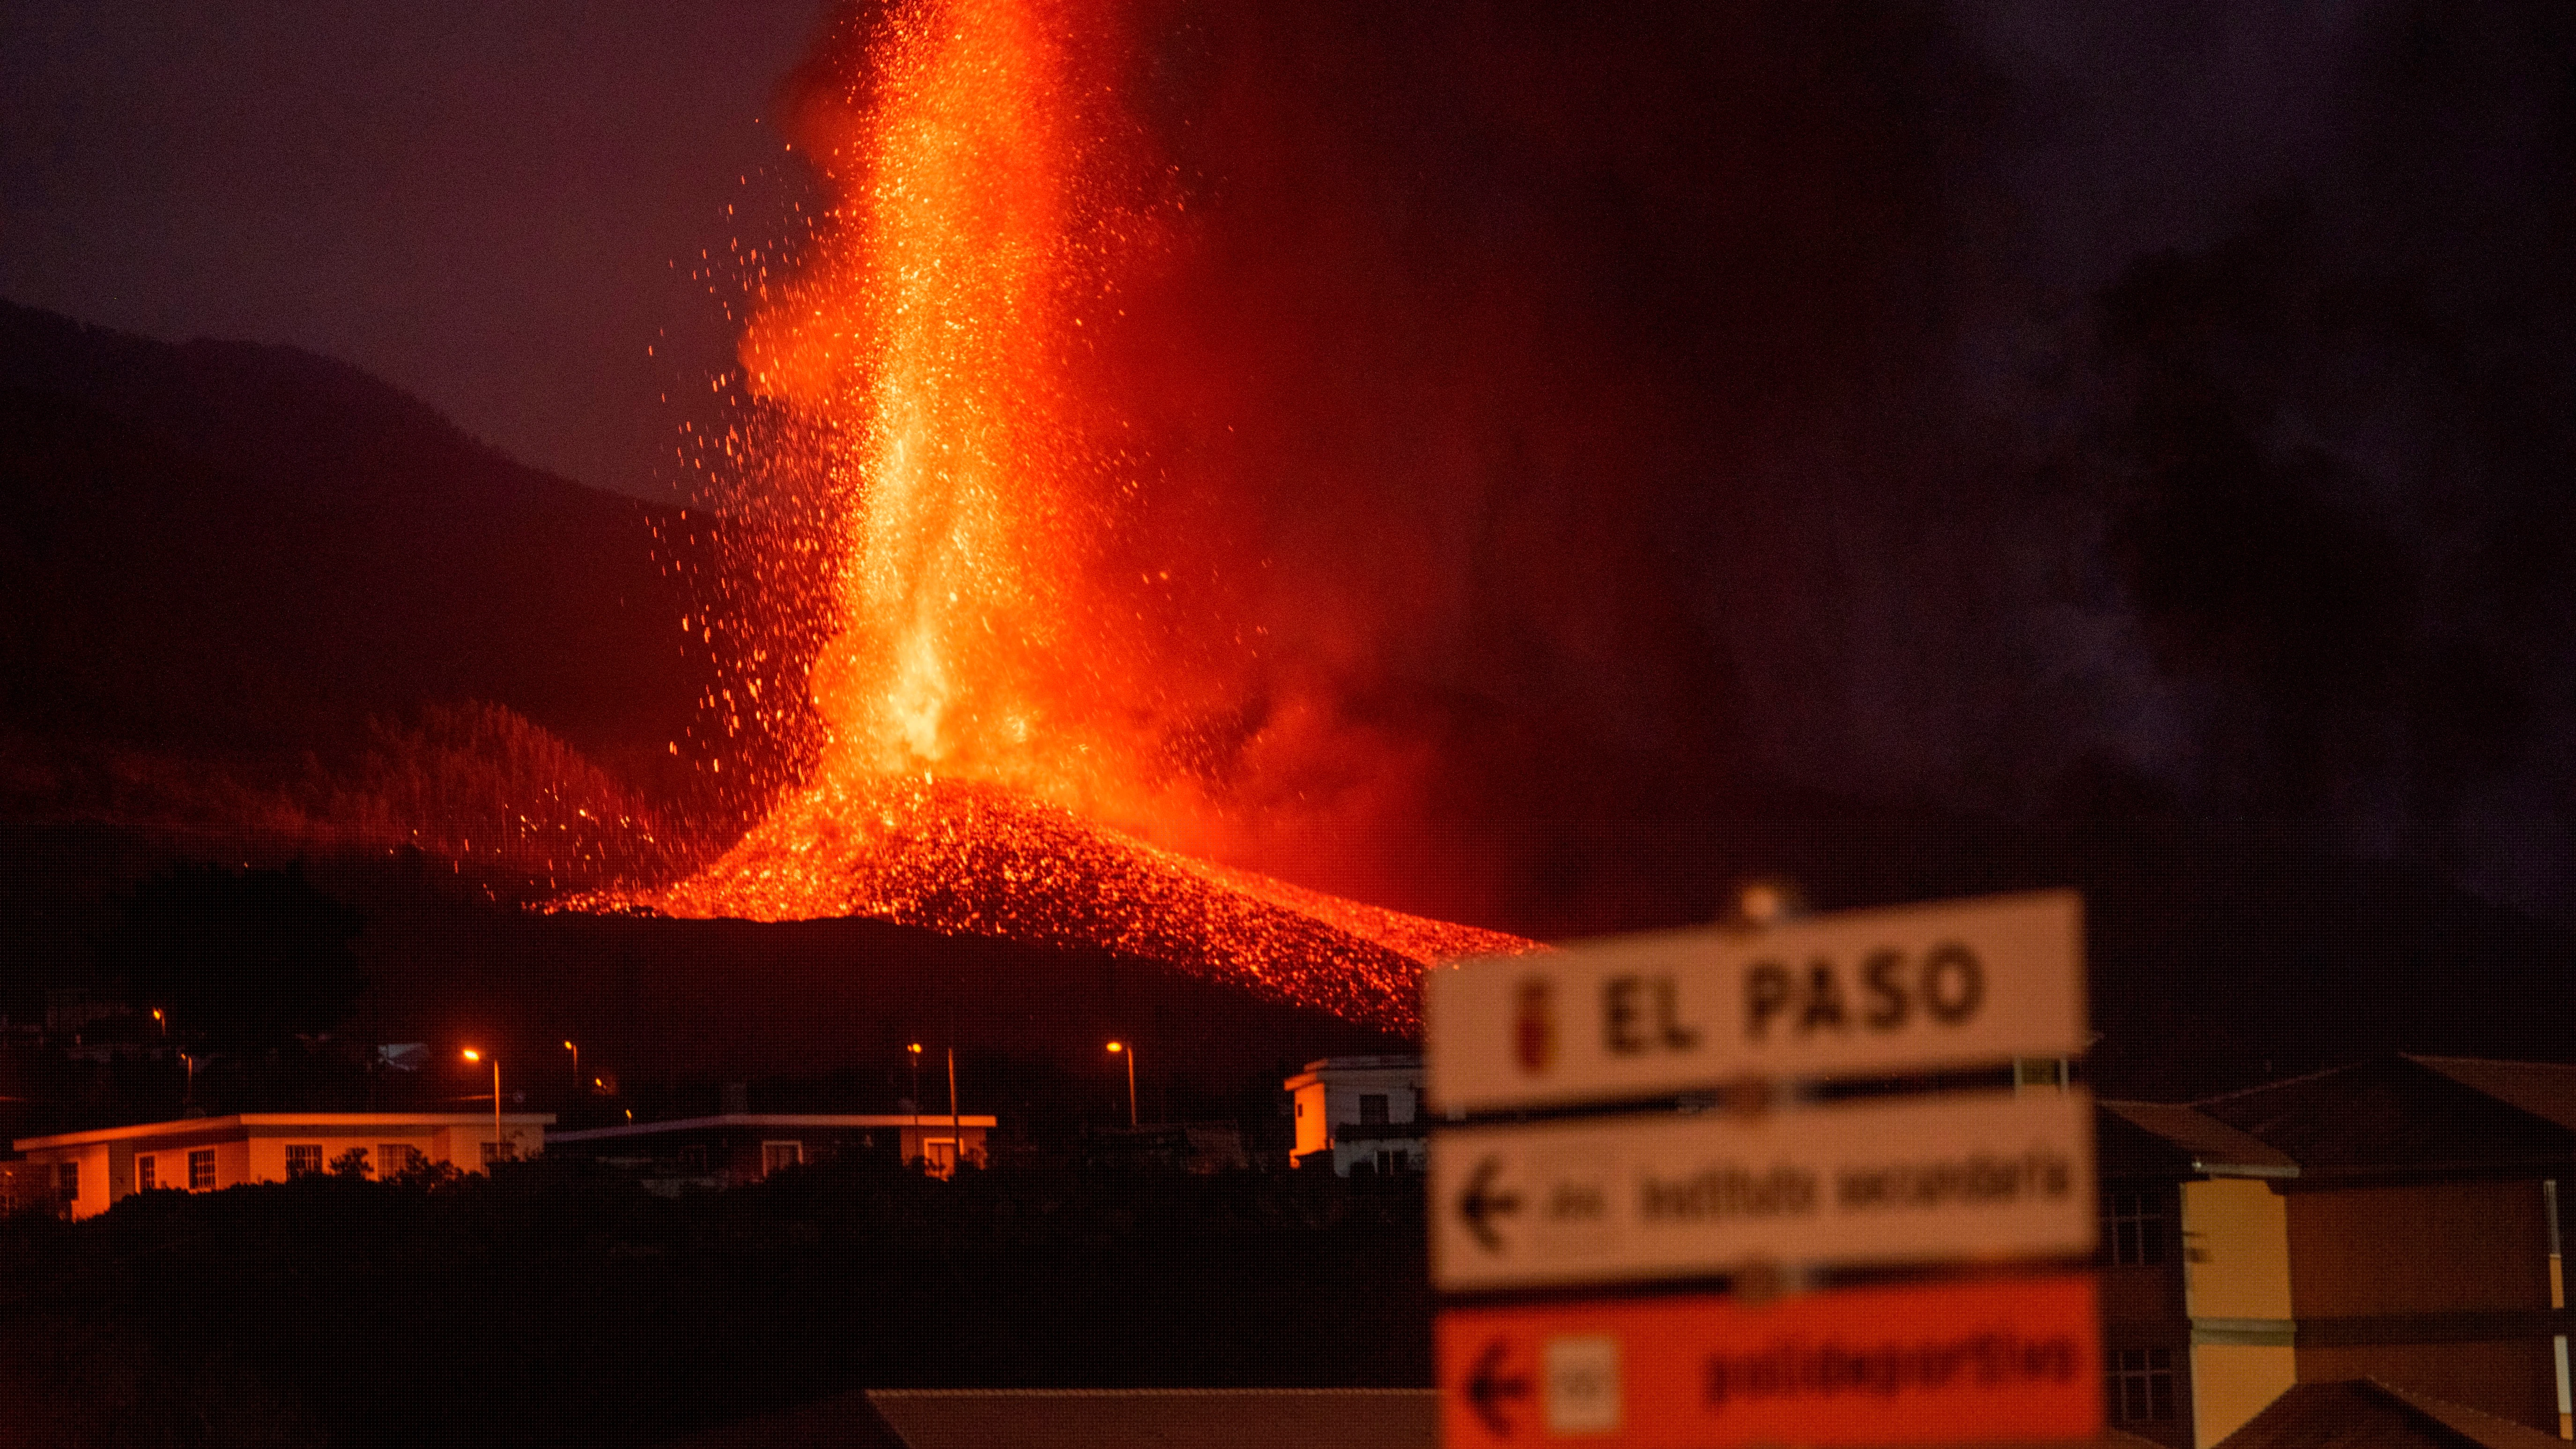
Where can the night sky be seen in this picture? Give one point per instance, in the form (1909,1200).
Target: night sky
(2019,409)
(481,203)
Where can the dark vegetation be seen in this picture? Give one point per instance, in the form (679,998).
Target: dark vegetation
(554,1306)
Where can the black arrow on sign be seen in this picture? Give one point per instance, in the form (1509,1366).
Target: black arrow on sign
(1488,1391)
(1480,1202)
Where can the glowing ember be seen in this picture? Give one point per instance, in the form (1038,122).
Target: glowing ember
(993,685)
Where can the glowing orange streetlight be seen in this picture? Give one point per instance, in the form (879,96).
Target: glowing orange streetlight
(1129,1052)
(914,1050)
(576,1062)
(472,1055)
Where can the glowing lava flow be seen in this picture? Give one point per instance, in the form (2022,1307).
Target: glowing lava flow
(987,696)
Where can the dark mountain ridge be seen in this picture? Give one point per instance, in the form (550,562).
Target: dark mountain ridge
(251,549)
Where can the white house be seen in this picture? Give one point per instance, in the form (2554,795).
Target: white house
(89,1171)
(1363,1111)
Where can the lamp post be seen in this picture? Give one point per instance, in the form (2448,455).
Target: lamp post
(472,1055)
(956,1133)
(1129,1052)
(576,1065)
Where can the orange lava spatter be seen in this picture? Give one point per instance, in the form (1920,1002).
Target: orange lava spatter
(993,714)
(963,857)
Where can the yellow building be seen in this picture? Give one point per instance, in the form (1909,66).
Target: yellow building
(87,1172)
(2196,1281)
(2394,1221)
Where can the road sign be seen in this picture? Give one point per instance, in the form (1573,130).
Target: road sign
(1992,1361)
(1898,990)
(1977,1176)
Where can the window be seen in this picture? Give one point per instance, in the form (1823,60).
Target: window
(2142,1385)
(147,1173)
(67,1181)
(303,1159)
(776,1155)
(496,1152)
(1373,1107)
(693,1158)
(201,1169)
(393,1159)
(2134,1228)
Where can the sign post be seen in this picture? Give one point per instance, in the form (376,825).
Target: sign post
(1692,1138)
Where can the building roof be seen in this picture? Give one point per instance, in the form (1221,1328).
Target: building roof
(1403,1064)
(2403,1116)
(1148,1418)
(1086,1418)
(768,1120)
(2368,1414)
(2546,1090)
(282,1121)
(2203,1143)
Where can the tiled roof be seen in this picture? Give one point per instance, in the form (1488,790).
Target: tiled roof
(2411,1116)
(2546,1090)
(2209,1145)
(2368,1414)
(1090,1418)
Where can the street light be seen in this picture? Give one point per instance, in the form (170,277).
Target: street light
(472,1055)
(1130,1053)
(915,1050)
(576,1061)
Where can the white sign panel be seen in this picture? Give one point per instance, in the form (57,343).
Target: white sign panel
(1982,1176)
(1918,987)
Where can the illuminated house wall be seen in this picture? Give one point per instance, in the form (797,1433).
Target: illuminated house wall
(1362,1111)
(2236,1267)
(730,1149)
(207,1154)
(2195,1289)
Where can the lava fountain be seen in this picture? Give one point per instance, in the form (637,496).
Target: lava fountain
(1003,708)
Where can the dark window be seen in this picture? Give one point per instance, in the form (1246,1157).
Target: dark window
(2135,1227)
(67,1180)
(147,1172)
(1372,1107)
(2142,1385)
(775,1156)
(201,1169)
(693,1158)
(303,1158)
(393,1159)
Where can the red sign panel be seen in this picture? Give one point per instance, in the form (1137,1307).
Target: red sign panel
(1990,1361)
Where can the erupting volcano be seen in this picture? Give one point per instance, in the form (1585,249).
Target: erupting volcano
(1012,699)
